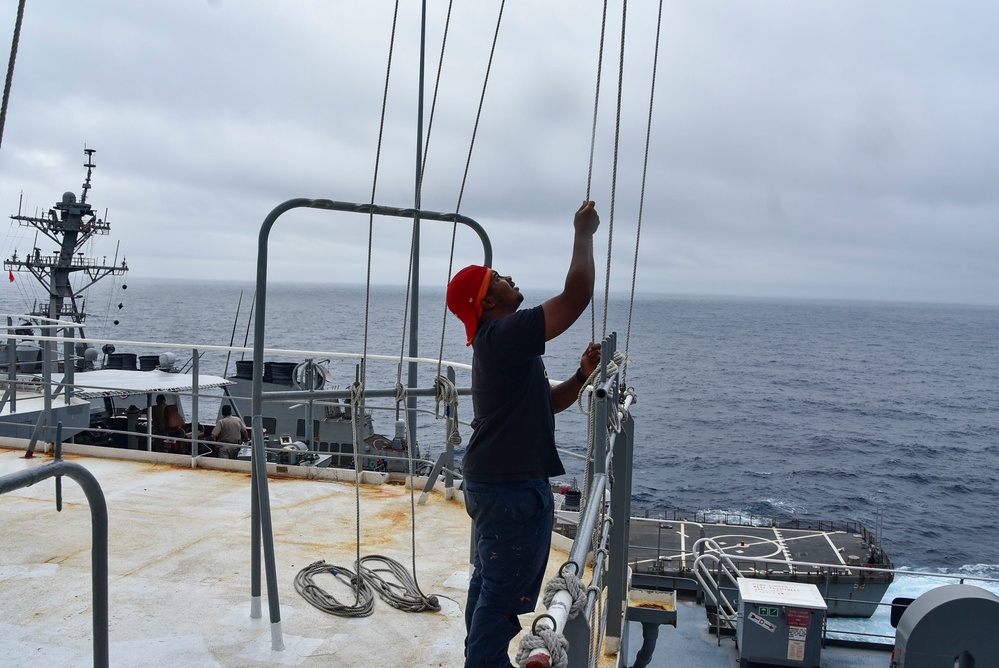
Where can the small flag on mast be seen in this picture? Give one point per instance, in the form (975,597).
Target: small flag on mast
(11,275)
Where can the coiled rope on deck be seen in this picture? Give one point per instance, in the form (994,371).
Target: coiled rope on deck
(306,586)
(404,593)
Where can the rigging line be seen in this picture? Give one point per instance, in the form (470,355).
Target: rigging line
(641,200)
(596,100)
(617,146)
(433,104)
(593,143)
(358,395)
(400,393)
(232,337)
(374,187)
(419,192)
(482,98)
(249,319)
(423,171)
(419,198)
(10,67)
(464,178)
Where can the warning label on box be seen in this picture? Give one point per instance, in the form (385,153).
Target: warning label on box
(799,617)
(795,650)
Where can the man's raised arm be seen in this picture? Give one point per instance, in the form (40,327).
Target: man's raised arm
(565,308)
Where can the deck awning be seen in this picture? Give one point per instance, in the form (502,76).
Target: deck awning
(117,382)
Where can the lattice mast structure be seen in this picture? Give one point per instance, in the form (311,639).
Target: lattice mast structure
(70,224)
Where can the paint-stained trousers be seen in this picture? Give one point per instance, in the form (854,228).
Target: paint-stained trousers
(512,534)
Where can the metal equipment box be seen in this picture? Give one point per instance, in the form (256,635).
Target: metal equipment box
(780,623)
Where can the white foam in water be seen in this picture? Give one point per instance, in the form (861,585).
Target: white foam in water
(909,586)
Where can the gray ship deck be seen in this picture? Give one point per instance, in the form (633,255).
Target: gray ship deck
(666,547)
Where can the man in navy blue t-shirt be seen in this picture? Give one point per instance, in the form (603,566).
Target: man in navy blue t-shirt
(512,454)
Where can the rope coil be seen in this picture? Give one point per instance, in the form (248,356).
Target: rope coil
(306,586)
(446,393)
(571,584)
(552,641)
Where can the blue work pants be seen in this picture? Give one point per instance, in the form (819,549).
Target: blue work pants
(512,533)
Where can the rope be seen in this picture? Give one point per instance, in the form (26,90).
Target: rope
(306,586)
(568,582)
(357,389)
(593,143)
(446,393)
(482,99)
(641,200)
(544,638)
(596,100)
(433,104)
(464,178)
(550,639)
(404,594)
(617,359)
(10,67)
(617,148)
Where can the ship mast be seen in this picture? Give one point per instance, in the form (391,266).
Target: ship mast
(70,224)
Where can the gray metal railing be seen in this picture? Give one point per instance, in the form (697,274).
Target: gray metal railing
(604,523)
(99,531)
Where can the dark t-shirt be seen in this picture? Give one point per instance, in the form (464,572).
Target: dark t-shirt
(513,435)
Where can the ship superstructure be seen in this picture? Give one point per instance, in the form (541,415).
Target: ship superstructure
(71,224)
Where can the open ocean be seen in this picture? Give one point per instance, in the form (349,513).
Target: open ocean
(810,409)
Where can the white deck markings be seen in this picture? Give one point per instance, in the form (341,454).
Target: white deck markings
(683,545)
(838,554)
(783,548)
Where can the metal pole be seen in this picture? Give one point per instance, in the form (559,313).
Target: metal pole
(195,425)
(414,321)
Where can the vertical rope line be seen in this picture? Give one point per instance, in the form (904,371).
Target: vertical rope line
(641,200)
(478,114)
(419,195)
(423,171)
(10,67)
(596,100)
(593,142)
(433,104)
(617,145)
(355,402)
(464,178)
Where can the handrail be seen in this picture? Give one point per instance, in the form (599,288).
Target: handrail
(99,521)
(260,511)
(607,506)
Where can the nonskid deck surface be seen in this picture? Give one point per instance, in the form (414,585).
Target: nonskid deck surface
(179,574)
(180,570)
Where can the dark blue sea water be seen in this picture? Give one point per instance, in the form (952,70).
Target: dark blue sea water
(827,410)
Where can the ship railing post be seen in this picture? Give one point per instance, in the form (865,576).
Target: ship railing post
(449,447)
(620,534)
(11,366)
(149,423)
(195,423)
(68,365)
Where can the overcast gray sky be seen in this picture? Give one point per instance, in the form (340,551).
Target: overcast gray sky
(842,149)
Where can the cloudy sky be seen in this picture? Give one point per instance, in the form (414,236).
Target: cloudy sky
(799,148)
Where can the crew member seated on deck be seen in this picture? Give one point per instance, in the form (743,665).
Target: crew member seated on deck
(230,432)
(159,416)
(175,428)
